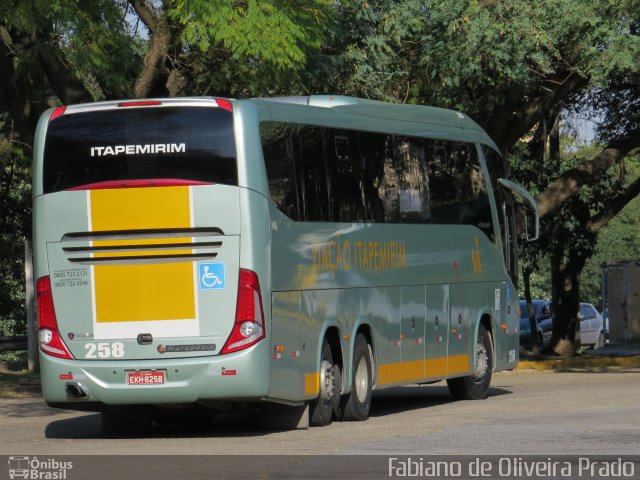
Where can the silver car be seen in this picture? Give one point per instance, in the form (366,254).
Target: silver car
(592,328)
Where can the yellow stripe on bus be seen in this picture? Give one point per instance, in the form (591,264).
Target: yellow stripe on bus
(312,383)
(458,364)
(403,372)
(147,291)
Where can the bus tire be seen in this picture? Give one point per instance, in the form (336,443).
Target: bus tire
(476,386)
(323,407)
(356,405)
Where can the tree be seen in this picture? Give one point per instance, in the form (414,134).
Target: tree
(56,52)
(513,66)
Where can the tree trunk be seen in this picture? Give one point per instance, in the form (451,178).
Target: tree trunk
(161,74)
(565,280)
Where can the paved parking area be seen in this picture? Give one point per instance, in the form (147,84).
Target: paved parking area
(528,412)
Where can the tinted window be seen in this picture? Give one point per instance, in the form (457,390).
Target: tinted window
(506,215)
(380,179)
(323,174)
(277,147)
(344,176)
(190,143)
(309,156)
(410,156)
(587,311)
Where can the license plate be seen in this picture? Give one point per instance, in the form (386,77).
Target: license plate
(148,377)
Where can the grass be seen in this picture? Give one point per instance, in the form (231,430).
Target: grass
(13,369)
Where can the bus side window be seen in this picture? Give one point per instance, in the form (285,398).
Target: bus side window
(506,216)
(312,180)
(410,156)
(473,193)
(387,182)
(459,193)
(277,149)
(344,176)
(378,195)
(444,202)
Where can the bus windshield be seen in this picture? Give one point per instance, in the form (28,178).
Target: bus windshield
(187,143)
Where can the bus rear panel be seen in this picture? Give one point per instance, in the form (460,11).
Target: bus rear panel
(140,292)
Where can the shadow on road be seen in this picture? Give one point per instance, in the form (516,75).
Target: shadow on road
(246,423)
(403,399)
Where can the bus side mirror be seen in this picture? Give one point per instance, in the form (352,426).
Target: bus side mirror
(528,203)
(532,224)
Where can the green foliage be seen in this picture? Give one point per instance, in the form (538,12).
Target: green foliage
(96,42)
(276,32)
(474,56)
(564,230)
(15,226)
(491,59)
(91,36)
(618,241)
(375,49)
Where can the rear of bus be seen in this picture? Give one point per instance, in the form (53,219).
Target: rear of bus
(143,296)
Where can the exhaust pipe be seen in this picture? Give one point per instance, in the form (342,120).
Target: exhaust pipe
(76,390)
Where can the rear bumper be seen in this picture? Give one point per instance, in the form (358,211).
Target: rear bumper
(241,376)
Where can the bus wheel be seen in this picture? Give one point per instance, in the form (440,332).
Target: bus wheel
(322,408)
(356,405)
(475,387)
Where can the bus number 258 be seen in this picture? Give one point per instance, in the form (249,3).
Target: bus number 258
(104,350)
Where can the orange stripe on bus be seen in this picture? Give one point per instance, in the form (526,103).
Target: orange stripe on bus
(458,364)
(417,370)
(312,383)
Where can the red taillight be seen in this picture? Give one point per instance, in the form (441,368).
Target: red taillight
(248,328)
(153,182)
(48,334)
(58,112)
(224,104)
(140,103)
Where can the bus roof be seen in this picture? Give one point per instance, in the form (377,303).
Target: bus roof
(341,112)
(358,113)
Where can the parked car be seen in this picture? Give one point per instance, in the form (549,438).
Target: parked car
(592,327)
(605,317)
(544,322)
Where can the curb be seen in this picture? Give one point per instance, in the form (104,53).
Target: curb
(559,364)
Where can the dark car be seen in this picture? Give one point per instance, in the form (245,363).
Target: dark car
(544,322)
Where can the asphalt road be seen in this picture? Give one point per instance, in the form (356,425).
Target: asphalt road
(527,413)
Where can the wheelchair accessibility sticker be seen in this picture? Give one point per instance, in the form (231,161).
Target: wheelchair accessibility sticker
(211,276)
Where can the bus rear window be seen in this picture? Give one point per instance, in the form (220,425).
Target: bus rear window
(186,143)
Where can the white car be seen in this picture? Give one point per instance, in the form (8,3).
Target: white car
(592,328)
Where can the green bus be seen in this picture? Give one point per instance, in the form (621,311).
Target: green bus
(294,253)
